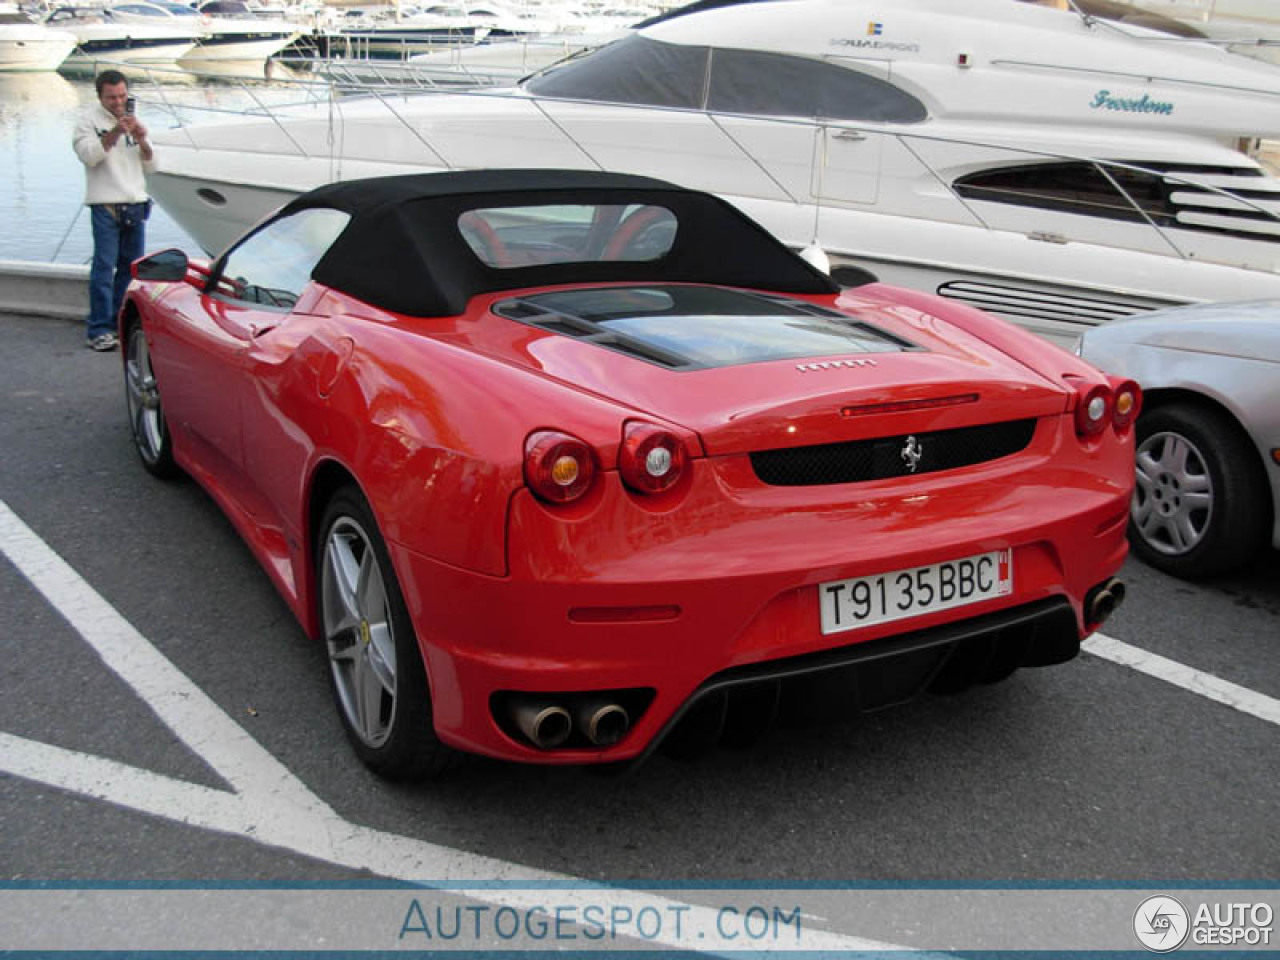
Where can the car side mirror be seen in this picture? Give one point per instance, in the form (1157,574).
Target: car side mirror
(166,266)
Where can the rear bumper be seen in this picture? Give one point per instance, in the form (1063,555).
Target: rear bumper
(881,673)
(726,583)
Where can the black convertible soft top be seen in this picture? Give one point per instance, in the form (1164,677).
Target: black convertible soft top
(403,250)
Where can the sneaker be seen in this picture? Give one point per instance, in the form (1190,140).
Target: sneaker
(103,342)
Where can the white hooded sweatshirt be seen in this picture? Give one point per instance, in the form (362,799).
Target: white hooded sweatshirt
(115,175)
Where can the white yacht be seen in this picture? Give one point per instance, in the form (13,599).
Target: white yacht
(1030,161)
(101,37)
(400,33)
(227,29)
(233,32)
(509,59)
(28,46)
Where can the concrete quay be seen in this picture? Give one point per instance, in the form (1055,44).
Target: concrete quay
(56,290)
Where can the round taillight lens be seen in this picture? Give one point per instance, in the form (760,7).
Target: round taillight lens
(1093,412)
(1126,403)
(558,468)
(651,459)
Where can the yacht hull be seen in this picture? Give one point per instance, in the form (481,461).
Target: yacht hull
(1040,285)
(1054,174)
(22,54)
(397,43)
(106,52)
(238,46)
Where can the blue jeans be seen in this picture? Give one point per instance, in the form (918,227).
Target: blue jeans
(115,247)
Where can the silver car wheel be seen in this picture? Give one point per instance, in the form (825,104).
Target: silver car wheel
(358,631)
(145,415)
(1173,499)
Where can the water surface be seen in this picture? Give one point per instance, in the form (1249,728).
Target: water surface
(42,213)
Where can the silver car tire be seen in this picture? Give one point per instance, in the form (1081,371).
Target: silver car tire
(1200,507)
(376,670)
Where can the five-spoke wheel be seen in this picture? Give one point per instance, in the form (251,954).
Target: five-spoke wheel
(377,671)
(146,413)
(358,631)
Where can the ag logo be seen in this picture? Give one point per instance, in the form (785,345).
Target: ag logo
(1161,924)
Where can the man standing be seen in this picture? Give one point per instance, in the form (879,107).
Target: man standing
(112,144)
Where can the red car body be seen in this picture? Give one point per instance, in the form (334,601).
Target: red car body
(683,603)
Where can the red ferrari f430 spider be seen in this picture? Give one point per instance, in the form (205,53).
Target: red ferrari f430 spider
(561,466)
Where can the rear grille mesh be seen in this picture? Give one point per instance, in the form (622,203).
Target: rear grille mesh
(886,457)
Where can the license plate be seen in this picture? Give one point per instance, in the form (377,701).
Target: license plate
(885,597)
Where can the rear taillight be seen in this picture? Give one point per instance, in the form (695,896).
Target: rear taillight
(1093,409)
(651,459)
(557,467)
(1126,403)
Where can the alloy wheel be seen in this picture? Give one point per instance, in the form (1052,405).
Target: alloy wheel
(145,414)
(358,631)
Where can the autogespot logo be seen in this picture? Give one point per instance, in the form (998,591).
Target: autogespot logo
(1161,924)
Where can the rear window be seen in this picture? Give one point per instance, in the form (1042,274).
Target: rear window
(530,236)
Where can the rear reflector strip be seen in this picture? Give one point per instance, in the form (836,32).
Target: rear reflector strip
(623,614)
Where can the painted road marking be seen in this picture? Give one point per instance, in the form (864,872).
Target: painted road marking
(181,705)
(1188,678)
(266,803)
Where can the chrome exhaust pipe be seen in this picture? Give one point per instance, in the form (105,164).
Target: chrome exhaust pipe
(1105,600)
(1118,591)
(546,724)
(1104,604)
(602,722)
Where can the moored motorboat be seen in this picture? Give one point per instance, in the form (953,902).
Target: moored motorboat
(27,46)
(101,37)
(227,29)
(1026,160)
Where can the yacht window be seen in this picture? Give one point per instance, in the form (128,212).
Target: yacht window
(178,10)
(639,70)
(778,85)
(634,69)
(507,237)
(272,266)
(139,10)
(1073,187)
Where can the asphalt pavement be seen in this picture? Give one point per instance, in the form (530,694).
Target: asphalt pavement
(1090,771)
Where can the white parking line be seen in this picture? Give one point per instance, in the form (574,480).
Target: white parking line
(267,804)
(181,705)
(1180,675)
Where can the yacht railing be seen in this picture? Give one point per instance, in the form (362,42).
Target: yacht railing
(339,93)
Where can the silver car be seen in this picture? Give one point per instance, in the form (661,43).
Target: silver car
(1208,455)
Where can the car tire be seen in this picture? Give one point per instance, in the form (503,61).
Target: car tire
(1200,507)
(376,670)
(147,422)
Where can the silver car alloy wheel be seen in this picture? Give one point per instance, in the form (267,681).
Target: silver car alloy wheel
(358,631)
(145,415)
(1173,499)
